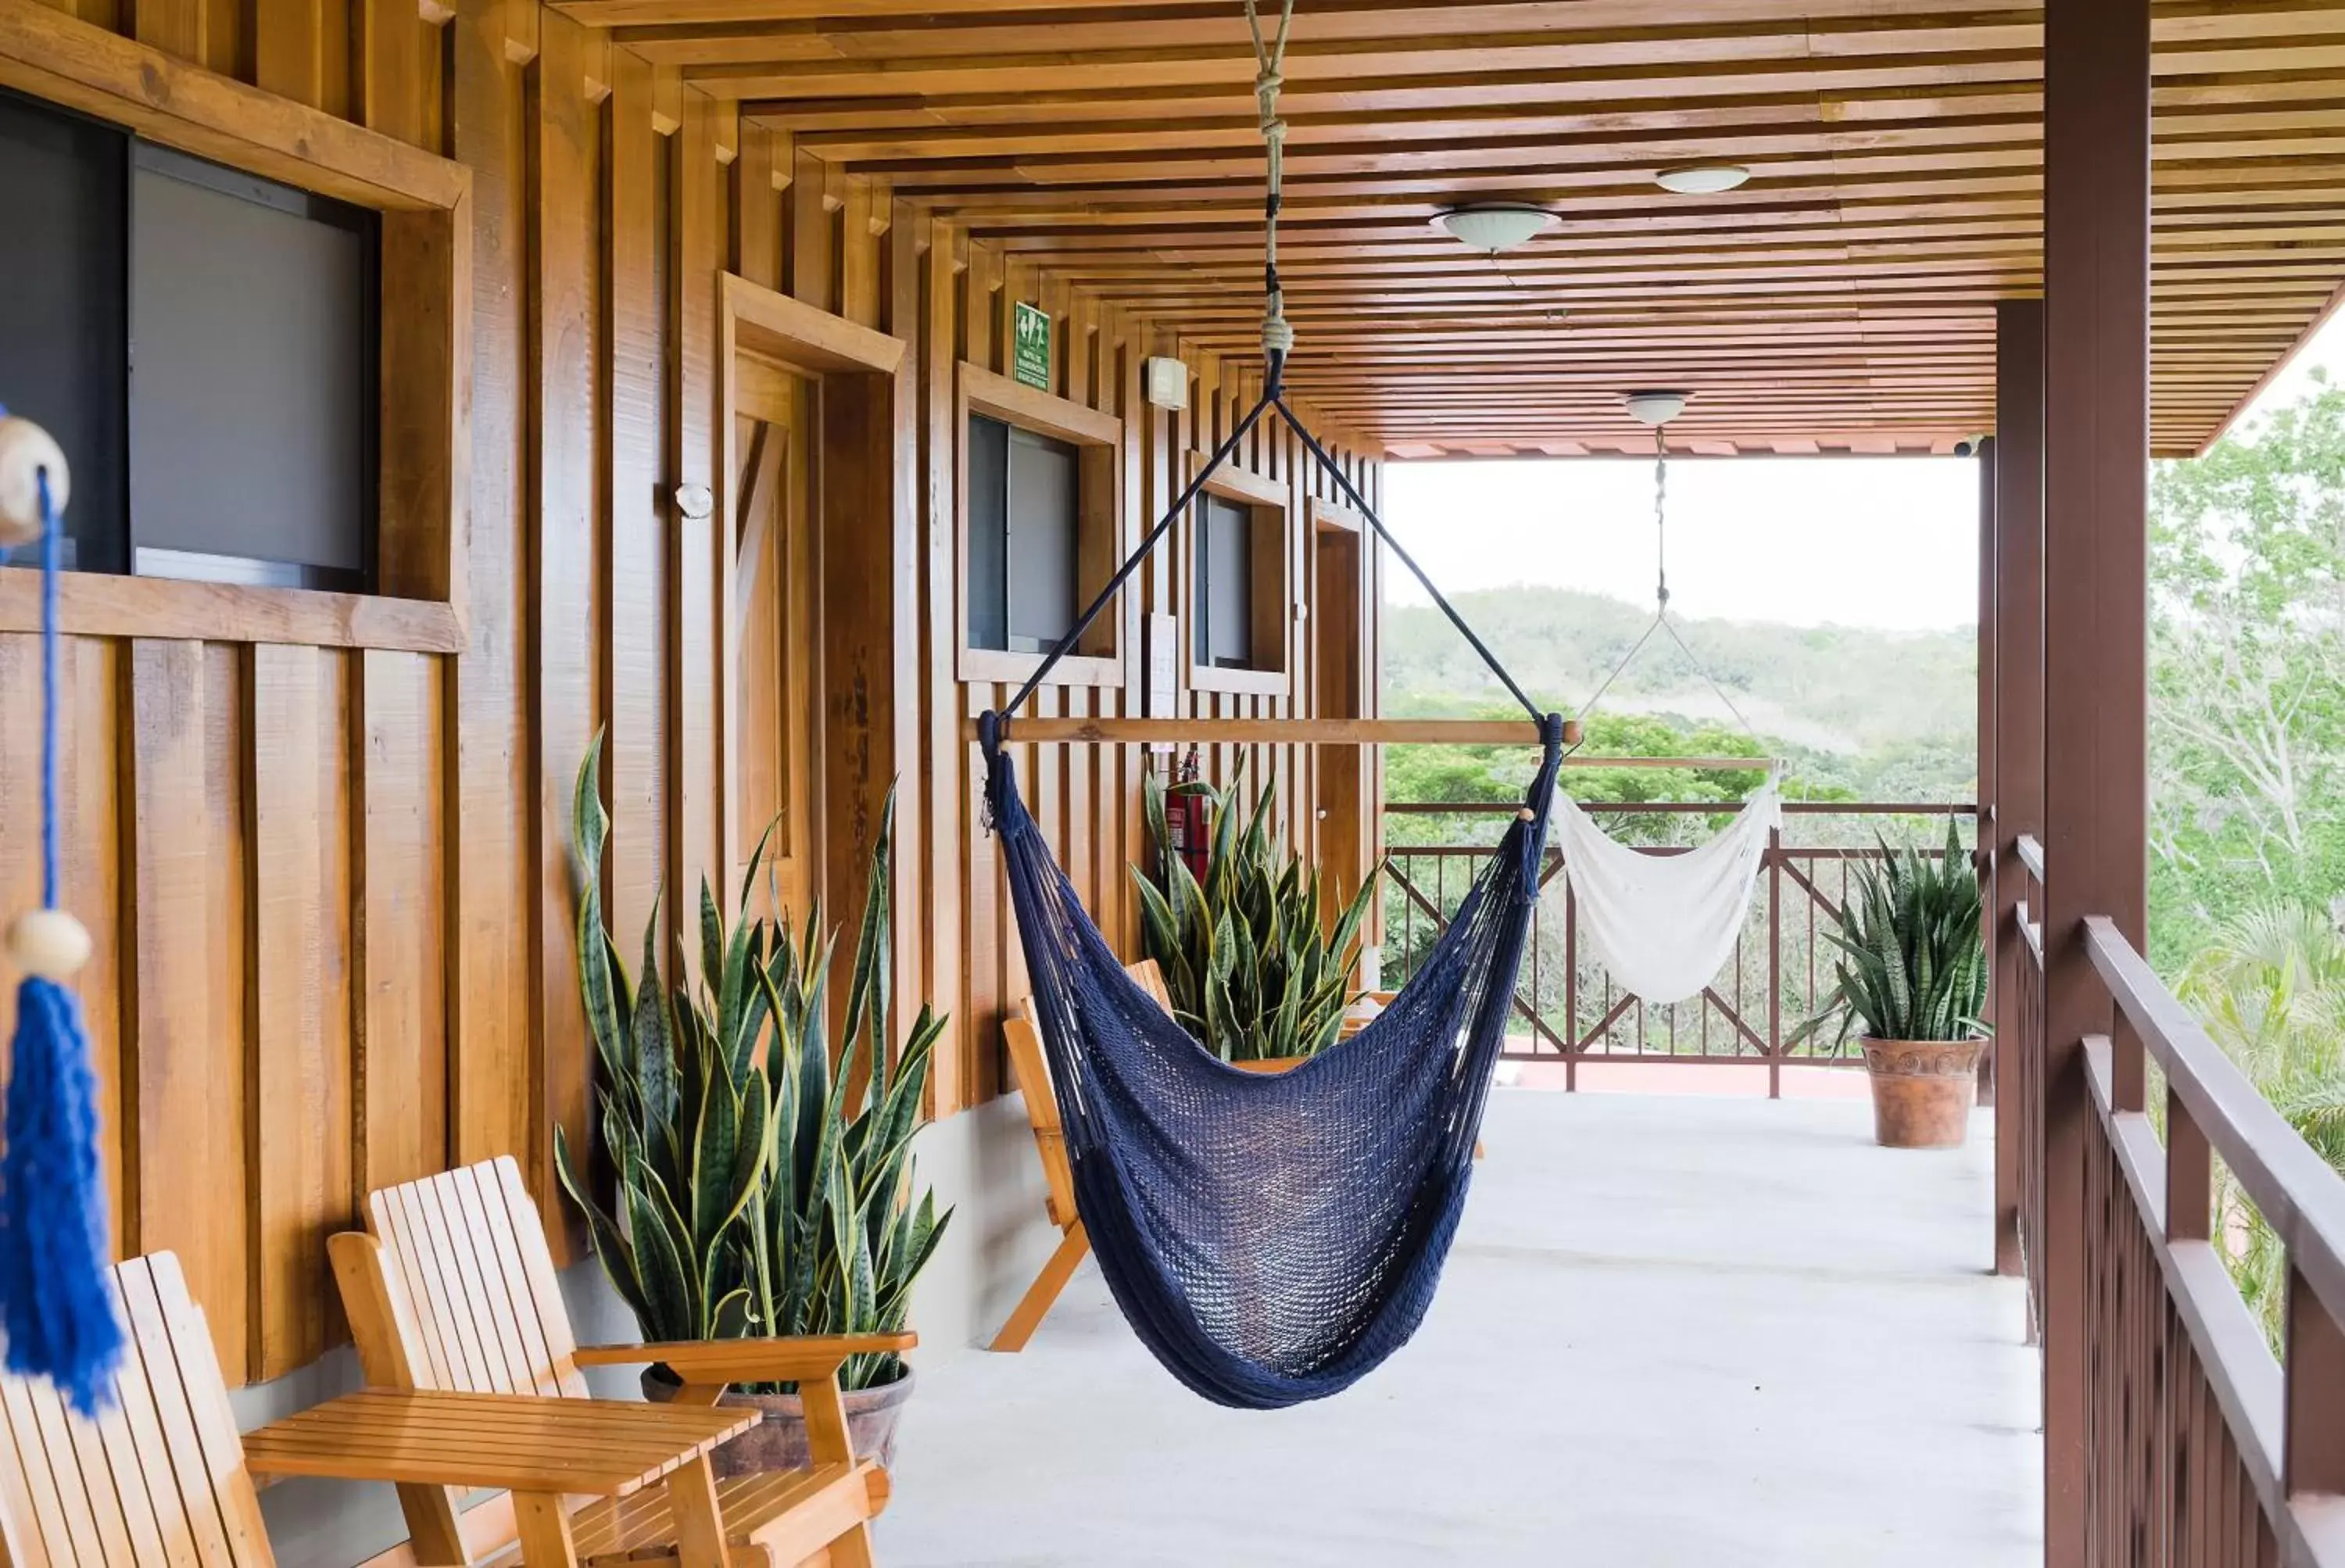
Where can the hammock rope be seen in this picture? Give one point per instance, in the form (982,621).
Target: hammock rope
(1661,621)
(1277,343)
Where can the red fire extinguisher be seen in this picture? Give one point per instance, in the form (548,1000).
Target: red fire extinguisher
(1187,817)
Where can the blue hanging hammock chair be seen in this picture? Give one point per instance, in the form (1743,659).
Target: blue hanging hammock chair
(1272,1238)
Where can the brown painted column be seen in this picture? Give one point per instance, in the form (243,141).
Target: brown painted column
(2018,716)
(1991,1064)
(2096,581)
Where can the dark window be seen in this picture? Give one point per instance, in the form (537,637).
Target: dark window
(62,333)
(202,344)
(1024,505)
(1223,603)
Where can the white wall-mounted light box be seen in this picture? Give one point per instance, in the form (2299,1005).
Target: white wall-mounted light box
(1165,383)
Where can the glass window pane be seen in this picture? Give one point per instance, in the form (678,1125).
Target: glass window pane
(1228,598)
(63,345)
(252,369)
(1042,540)
(988,533)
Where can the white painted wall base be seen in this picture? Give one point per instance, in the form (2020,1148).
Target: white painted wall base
(983,1163)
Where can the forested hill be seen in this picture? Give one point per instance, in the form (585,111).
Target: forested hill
(1867,709)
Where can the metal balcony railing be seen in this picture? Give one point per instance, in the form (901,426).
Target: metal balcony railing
(1568,1009)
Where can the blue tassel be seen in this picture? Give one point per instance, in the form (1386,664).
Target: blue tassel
(55,1301)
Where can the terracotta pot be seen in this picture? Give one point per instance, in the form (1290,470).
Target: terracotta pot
(779,1441)
(1922,1091)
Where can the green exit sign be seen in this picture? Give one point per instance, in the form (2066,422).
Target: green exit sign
(1030,346)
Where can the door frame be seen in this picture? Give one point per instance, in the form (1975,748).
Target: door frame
(866,591)
(1345,788)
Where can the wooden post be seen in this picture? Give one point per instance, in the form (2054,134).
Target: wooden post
(1991,1064)
(2016,791)
(2097,71)
(1774,963)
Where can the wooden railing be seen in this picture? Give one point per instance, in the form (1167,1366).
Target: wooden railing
(2201,1446)
(2024,1058)
(1569,1014)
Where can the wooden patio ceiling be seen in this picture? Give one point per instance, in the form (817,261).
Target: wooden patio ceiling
(1839,301)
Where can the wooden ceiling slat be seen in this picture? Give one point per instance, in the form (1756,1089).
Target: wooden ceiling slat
(1841,302)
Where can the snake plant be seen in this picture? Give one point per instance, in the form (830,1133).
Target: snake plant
(755,1185)
(1913,962)
(1253,967)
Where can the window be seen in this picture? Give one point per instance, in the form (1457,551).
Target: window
(1225,588)
(62,331)
(1040,531)
(1236,585)
(1023,537)
(201,343)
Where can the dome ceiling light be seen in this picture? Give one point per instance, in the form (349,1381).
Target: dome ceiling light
(1494,226)
(1702,179)
(1655,407)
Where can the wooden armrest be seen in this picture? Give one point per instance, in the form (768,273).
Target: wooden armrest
(750,1360)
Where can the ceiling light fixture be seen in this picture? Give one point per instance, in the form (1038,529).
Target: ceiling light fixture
(1702,179)
(1494,226)
(1655,407)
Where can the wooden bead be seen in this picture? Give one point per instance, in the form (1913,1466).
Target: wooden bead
(49,943)
(26,449)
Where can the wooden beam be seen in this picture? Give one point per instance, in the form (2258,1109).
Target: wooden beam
(2095,569)
(1992,1063)
(2016,787)
(1205,728)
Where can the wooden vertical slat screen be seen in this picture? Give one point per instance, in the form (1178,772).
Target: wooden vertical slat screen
(493,800)
(636,606)
(564,325)
(302,1142)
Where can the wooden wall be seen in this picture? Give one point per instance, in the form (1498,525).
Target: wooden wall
(330,886)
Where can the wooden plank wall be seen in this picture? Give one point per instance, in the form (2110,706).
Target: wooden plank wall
(329,888)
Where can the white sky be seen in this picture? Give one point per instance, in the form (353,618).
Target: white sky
(1882,542)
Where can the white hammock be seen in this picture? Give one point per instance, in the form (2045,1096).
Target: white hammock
(1665,924)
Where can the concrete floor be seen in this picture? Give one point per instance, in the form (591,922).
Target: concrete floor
(1673,1331)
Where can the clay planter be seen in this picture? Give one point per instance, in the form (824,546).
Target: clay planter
(779,1441)
(1922,1091)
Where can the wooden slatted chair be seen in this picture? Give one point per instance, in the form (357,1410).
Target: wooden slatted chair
(160,1478)
(1030,1069)
(451,1285)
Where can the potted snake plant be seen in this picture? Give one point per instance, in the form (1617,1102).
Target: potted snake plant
(1910,980)
(1258,965)
(749,1183)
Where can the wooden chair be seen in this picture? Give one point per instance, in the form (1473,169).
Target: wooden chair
(1030,1069)
(163,1477)
(159,1477)
(452,1287)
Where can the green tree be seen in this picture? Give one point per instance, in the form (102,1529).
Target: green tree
(2269,986)
(2247,649)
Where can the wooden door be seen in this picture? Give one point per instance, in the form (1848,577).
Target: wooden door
(1340,691)
(779,681)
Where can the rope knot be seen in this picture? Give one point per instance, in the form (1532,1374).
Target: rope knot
(1277,335)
